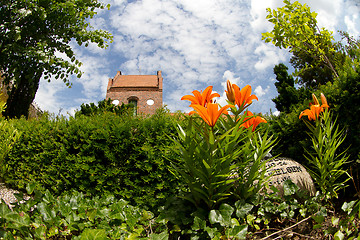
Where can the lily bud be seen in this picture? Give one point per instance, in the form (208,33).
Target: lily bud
(323,100)
(316,102)
(230,93)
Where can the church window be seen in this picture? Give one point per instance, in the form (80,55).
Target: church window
(133,102)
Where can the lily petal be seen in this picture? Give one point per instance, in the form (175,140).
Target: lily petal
(250,120)
(243,97)
(211,113)
(201,98)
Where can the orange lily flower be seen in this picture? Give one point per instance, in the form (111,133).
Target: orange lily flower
(230,93)
(211,113)
(201,98)
(250,120)
(243,97)
(312,113)
(315,108)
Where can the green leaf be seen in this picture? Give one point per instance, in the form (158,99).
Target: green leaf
(239,232)
(30,187)
(161,236)
(46,211)
(93,234)
(4,210)
(212,232)
(18,220)
(242,209)
(335,221)
(339,235)
(348,207)
(318,218)
(222,216)
(290,188)
(198,223)
(91,214)
(40,232)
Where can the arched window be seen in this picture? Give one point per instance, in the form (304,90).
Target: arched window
(133,101)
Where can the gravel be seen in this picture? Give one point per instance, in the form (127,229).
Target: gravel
(7,195)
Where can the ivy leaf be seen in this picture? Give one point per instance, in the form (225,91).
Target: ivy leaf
(47,213)
(30,187)
(198,223)
(242,208)
(161,236)
(93,234)
(239,232)
(318,218)
(4,210)
(348,207)
(17,220)
(290,188)
(339,235)
(222,216)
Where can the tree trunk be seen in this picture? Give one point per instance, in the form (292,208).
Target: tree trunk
(22,94)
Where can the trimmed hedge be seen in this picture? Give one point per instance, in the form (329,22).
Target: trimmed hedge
(122,155)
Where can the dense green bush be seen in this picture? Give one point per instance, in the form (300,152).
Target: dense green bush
(291,134)
(122,155)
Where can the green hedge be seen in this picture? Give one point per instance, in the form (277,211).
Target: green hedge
(122,155)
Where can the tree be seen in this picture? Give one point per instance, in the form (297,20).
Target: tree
(344,96)
(315,53)
(102,107)
(35,42)
(310,72)
(288,95)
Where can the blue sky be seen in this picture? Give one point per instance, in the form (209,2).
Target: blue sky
(194,43)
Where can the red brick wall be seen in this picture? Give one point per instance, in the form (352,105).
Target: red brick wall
(142,107)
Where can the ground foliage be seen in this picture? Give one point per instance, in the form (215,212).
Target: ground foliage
(266,216)
(75,216)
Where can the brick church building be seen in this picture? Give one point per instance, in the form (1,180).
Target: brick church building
(143,91)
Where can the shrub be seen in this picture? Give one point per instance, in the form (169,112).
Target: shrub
(8,137)
(122,155)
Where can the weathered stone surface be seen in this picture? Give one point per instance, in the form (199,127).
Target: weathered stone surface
(282,169)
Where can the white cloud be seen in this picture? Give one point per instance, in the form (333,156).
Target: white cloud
(258,13)
(228,75)
(276,113)
(328,12)
(351,22)
(259,91)
(269,56)
(351,19)
(46,96)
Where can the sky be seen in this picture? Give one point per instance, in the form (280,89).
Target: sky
(194,43)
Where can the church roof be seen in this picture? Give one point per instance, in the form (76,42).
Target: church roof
(135,81)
